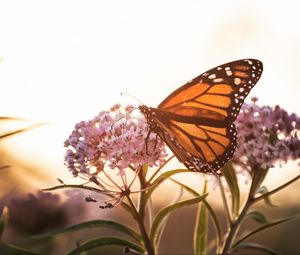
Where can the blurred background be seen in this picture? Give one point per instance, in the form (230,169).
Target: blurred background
(64,61)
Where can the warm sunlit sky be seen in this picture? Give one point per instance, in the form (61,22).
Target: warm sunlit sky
(64,61)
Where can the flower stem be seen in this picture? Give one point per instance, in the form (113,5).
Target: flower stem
(234,227)
(139,213)
(140,220)
(277,189)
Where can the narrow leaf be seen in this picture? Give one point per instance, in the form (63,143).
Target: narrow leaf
(263,190)
(257,216)
(231,179)
(12,249)
(4,167)
(17,131)
(209,208)
(95,224)
(5,118)
(216,223)
(3,220)
(200,231)
(103,241)
(277,189)
(158,170)
(80,186)
(167,210)
(257,179)
(160,179)
(272,224)
(164,222)
(255,246)
(164,176)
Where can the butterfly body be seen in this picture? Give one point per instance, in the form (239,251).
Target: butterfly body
(196,120)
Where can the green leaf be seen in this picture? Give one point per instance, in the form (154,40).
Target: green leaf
(187,188)
(200,231)
(103,241)
(160,179)
(258,198)
(158,170)
(266,226)
(164,176)
(159,218)
(80,186)
(94,224)
(14,250)
(209,208)
(231,179)
(164,222)
(257,216)
(255,246)
(3,220)
(17,131)
(5,118)
(257,179)
(216,222)
(145,169)
(4,167)
(263,190)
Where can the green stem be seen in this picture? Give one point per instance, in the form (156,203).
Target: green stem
(140,220)
(234,227)
(235,224)
(139,214)
(277,189)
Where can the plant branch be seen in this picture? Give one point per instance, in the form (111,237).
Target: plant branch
(140,220)
(234,226)
(277,189)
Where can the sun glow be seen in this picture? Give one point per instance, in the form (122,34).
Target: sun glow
(62,70)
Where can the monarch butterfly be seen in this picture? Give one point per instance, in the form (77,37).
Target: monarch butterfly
(196,120)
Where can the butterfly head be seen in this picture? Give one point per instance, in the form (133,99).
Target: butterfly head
(149,115)
(146,111)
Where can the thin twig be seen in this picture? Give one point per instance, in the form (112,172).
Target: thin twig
(277,189)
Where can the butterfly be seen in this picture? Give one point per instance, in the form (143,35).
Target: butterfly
(196,120)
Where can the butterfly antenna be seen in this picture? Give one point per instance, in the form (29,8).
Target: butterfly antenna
(124,93)
(123,116)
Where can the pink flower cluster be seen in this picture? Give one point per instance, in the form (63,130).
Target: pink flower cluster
(266,135)
(114,139)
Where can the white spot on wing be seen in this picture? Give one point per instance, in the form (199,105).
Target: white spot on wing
(237,81)
(212,76)
(218,80)
(229,73)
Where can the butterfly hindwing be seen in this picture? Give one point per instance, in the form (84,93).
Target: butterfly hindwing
(200,147)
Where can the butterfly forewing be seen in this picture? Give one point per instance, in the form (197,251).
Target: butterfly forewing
(220,91)
(196,120)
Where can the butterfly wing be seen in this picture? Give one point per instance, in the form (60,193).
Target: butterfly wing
(199,147)
(196,120)
(217,94)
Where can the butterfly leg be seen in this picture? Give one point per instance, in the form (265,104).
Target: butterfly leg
(155,143)
(146,141)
